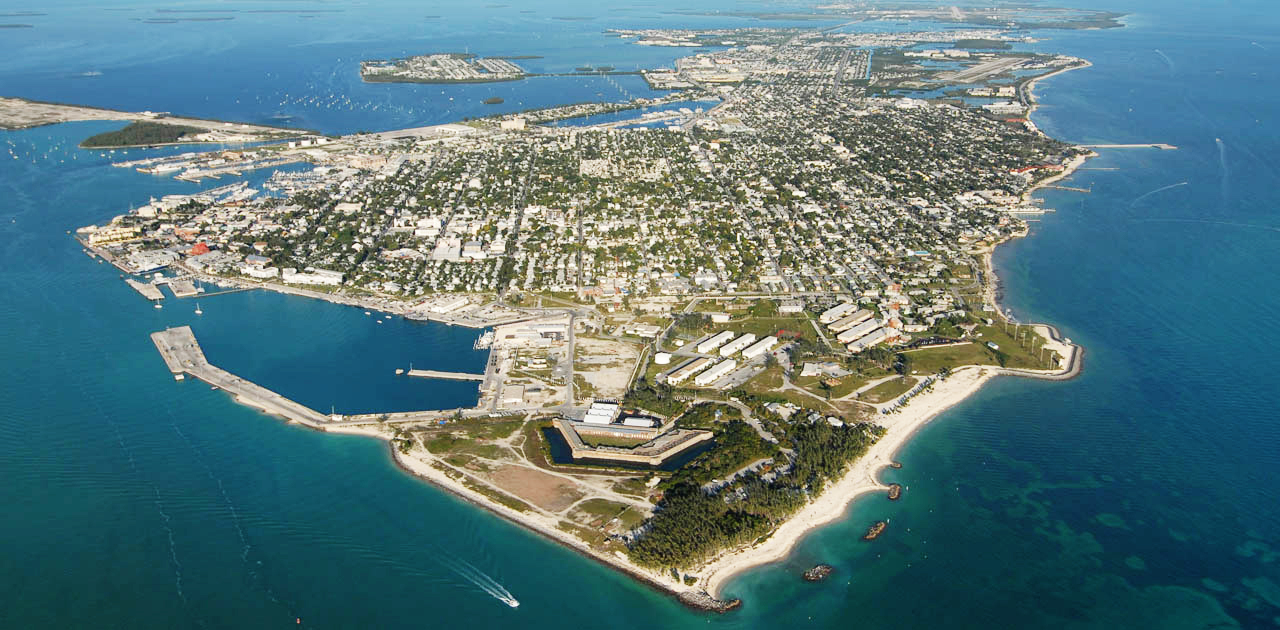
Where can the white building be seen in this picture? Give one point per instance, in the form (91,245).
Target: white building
(311,276)
(857,332)
(688,370)
(836,312)
(872,339)
(714,342)
(262,273)
(647,331)
(715,373)
(740,343)
(790,307)
(847,322)
(602,413)
(450,305)
(473,250)
(760,347)
(662,358)
(1009,108)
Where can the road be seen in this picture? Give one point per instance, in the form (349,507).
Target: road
(518,210)
(839,74)
(747,416)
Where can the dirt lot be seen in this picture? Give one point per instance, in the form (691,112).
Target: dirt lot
(606,364)
(541,489)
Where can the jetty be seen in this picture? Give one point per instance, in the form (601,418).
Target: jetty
(1150,145)
(149,291)
(183,287)
(183,355)
(450,376)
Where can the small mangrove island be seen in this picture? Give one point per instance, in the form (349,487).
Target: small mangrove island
(141,133)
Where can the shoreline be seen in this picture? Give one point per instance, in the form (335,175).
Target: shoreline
(388,305)
(862,476)
(103,113)
(859,479)
(423,470)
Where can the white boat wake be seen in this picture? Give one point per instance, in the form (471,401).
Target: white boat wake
(1226,173)
(1158,190)
(482,581)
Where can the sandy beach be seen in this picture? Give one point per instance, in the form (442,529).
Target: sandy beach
(419,464)
(861,478)
(832,505)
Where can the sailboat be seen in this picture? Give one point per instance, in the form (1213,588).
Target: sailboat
(198,311)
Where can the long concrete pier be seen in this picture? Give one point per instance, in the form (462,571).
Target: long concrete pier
(149,291)
(182,354)
(452,376)
(1150,145)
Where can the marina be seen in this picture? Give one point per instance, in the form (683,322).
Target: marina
(183,357)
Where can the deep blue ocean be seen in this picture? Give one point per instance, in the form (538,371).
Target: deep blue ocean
(1141,495)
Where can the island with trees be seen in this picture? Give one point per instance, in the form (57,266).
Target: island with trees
(739,316)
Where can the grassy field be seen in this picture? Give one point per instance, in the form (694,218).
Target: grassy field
(930,360)
(652,370)
(455,444)
(491,429)
(889,389)
(595,539)
(1022,352)
(847,385)
(606,440)
(604,509)
(472,437)
(582,388)
(766,381)
(634,486)
(765,326)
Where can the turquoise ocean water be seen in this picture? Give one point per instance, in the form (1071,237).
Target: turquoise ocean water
(1141,495)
